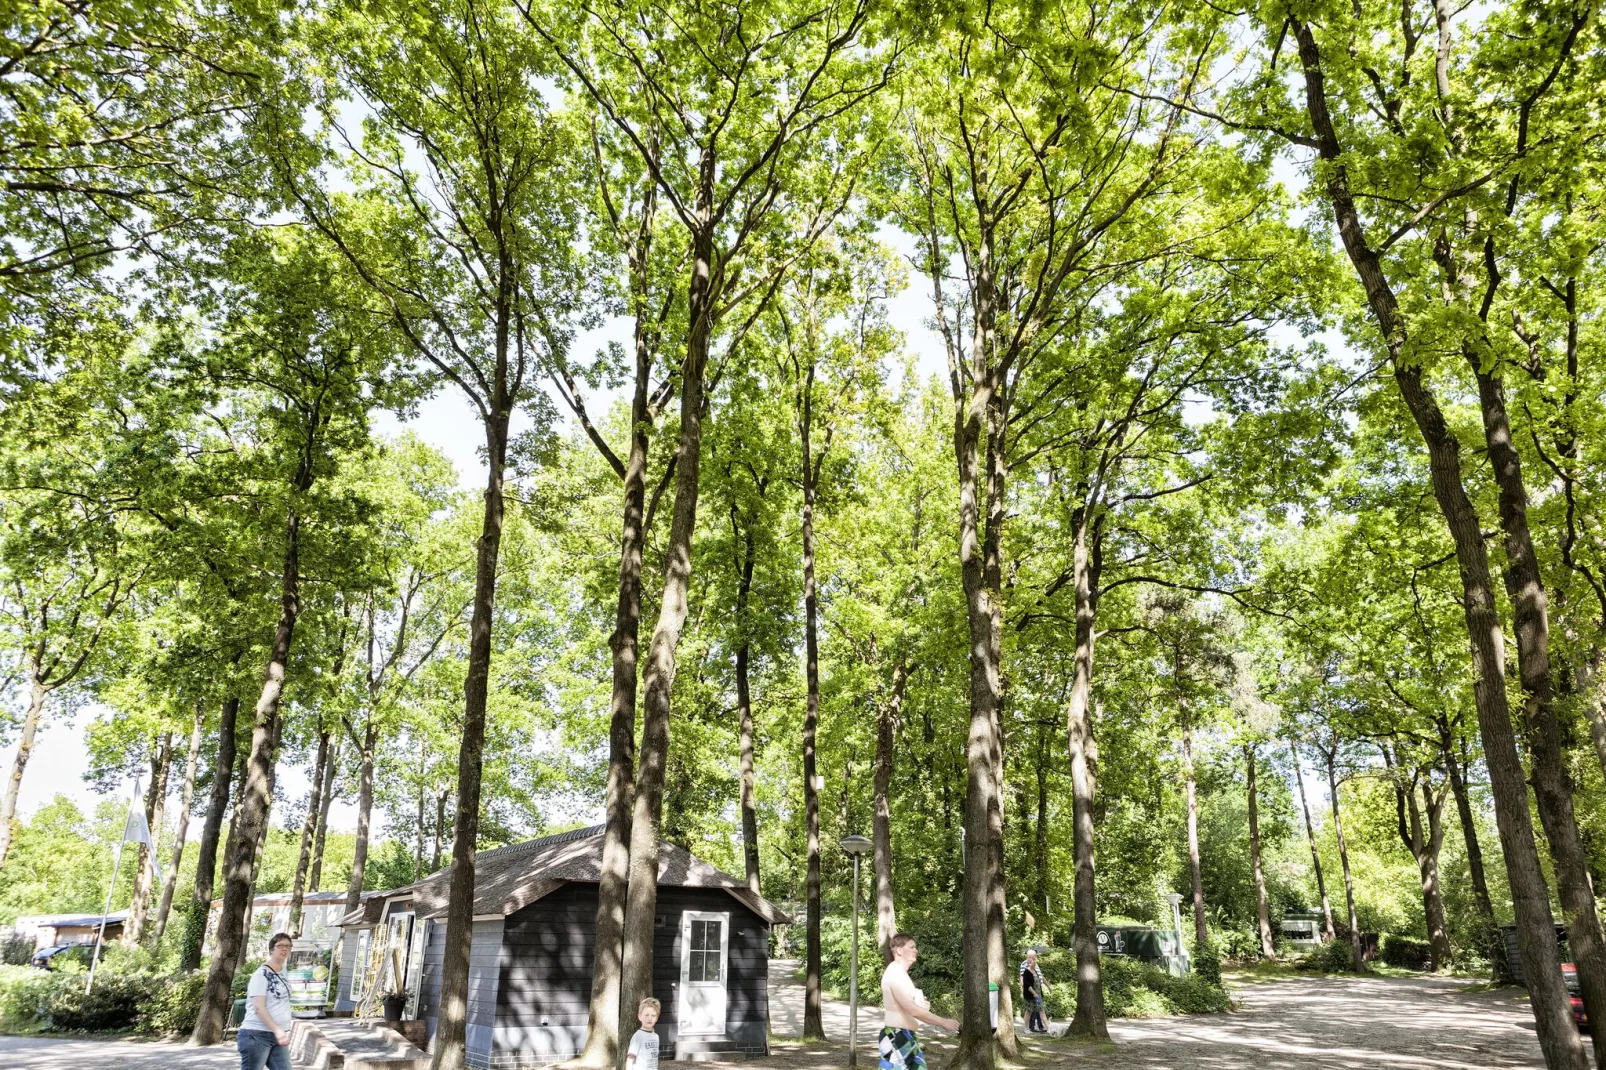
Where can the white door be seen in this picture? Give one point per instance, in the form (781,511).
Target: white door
(704,958)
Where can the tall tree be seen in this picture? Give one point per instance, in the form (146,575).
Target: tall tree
(309,367)
(707,120)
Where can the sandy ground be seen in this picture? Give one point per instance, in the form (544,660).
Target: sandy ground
(1295,1023)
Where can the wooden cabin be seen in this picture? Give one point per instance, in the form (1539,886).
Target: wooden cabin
(534,941)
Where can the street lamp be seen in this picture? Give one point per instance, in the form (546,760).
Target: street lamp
(854,846)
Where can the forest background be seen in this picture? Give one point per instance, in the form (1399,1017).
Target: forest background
(1074,445)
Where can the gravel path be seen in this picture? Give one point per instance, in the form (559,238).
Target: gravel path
(1293,1023)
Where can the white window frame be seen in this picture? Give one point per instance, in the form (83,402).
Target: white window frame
(686,919)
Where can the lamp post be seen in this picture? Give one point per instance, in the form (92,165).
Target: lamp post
(854,846)
(1176,920)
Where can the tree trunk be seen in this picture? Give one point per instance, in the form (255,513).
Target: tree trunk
(309,829)
(326,794)
(602,1030)
(1268,950)
(1357,952)
(1090,1016)
(1040,833)
(418,841)
(440,825)
(1552,781)
(1328,931)
(998,966)
(30,730)
(217,805)
(186,800)
(145,870)
(659,674)
(813,1026)
(256,795)
(890,712)
(1201,933)
(744,712)
(366,749)
(1427,842)
(1558,1037)
(451,1030)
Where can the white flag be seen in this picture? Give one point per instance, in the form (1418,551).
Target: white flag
(138,831)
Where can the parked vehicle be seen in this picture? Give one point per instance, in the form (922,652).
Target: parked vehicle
(57,955)
(1569,974)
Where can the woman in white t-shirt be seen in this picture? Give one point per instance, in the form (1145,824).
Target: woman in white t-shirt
(264,1036)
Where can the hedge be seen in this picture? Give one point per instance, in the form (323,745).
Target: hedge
(1406,953)
(1133,989)
(34,1001)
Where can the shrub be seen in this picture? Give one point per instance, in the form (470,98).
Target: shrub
(174,1005)
(25,998)
(1207,966)
(1237,944)
(1132,989)
(114,1003)
(1335,956)
(16,951)
(242,978)
(1404,952)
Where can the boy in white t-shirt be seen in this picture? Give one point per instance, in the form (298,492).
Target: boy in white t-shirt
(644,1045)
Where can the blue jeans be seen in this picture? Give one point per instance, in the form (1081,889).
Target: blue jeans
(259,1048)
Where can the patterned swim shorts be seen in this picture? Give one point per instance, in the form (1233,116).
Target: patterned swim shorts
(900,1050)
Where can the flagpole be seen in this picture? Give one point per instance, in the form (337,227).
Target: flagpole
(117,860)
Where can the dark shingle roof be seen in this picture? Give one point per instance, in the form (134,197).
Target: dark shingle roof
(510,878)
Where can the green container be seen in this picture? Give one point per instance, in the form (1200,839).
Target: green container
(237,1014)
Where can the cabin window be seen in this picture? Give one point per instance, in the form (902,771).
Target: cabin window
(706,950)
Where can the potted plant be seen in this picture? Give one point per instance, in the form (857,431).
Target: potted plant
(394,1002)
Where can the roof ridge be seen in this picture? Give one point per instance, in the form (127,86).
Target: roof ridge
(570,836)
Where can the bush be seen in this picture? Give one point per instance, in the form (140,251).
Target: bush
(1207,965)
(1237,944)
(1335,956)
(115,1003)
(1404,952)
(16,951)
(174,1005)
(1132,989)
(25,998)
(34,1000)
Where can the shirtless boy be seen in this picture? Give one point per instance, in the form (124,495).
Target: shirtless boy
(904,1007)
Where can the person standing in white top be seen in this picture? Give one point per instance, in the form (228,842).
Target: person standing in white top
(904,1007)
(264,1036)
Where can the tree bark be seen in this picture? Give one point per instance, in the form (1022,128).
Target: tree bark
(604,1015)
(1201,932)
(30,731)
(889,713)
(659,673)
(1558,1037)
(309,829)
(1427,842)
(451,1030)
(440,826)
(256,795)
(813,1026)
(326,795)
(1357,952)
(1268,950)
(1552,781)
(217,806)
(145,870)
(744,712)
(367,746)
(1328,932)
(1089,1019)
(1040,833)
(186,800)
